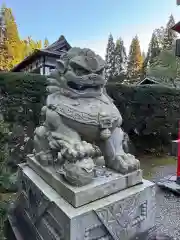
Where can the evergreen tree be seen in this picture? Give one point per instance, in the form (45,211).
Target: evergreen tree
(153,52)
(159,32)
(143,56)
(46,43)
(166,67)
(145,66)
(135,59)
(120,58)
(154,48)
(169,35)
(110,58)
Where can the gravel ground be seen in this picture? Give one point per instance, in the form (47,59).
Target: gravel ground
(168,205)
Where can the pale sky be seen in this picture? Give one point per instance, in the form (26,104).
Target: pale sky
(87,23)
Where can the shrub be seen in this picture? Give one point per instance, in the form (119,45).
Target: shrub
(21,99)
(22,96)
(152,112)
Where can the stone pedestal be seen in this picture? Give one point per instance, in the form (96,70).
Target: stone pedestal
(107,182)
(120,216)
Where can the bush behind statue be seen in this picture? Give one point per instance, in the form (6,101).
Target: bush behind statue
(150,114)
(150,111)
(21,98)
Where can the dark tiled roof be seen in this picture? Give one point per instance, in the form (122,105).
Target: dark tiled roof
(55,49)
(59,44)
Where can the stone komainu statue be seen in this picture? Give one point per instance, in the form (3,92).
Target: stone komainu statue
(81,123)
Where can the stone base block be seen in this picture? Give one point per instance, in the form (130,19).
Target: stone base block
(174,148)
(120,216)
(106,183)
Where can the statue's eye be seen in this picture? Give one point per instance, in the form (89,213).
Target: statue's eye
(81,71)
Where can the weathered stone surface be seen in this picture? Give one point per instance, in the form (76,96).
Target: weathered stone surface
(119,216)
(106,183)
(174,148)
(80,121)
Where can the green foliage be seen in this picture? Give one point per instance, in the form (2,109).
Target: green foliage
(144,66)
(153,52)
(120,58)
(154,48)
(166,66)
(152,112)
(134,59)
(159,32)
(110,58)
(22,97)
(7,179)
(163,63)
(169,35)
(3,217)
(28,46)
(5,174)
(12,42)
(13,49)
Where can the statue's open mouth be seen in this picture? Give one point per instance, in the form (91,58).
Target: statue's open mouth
(83,87)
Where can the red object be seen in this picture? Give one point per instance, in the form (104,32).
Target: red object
(176,27)
(178,160)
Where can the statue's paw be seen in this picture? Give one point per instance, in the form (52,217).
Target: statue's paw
(133,163)
(77,151)
(124,164)
(71,155)
(45,158)
(119,165)
(80,173)
(87,150)
(54,144)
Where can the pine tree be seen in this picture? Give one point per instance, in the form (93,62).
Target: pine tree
(166,67)
(143,56)
(169,35)
(145,65)
(159,32)
(46,43)
(110,58)
(154,48)
(135,59)
(120,58)
(153,52)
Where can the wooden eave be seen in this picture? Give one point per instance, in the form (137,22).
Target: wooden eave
(31,58)
(53,50)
